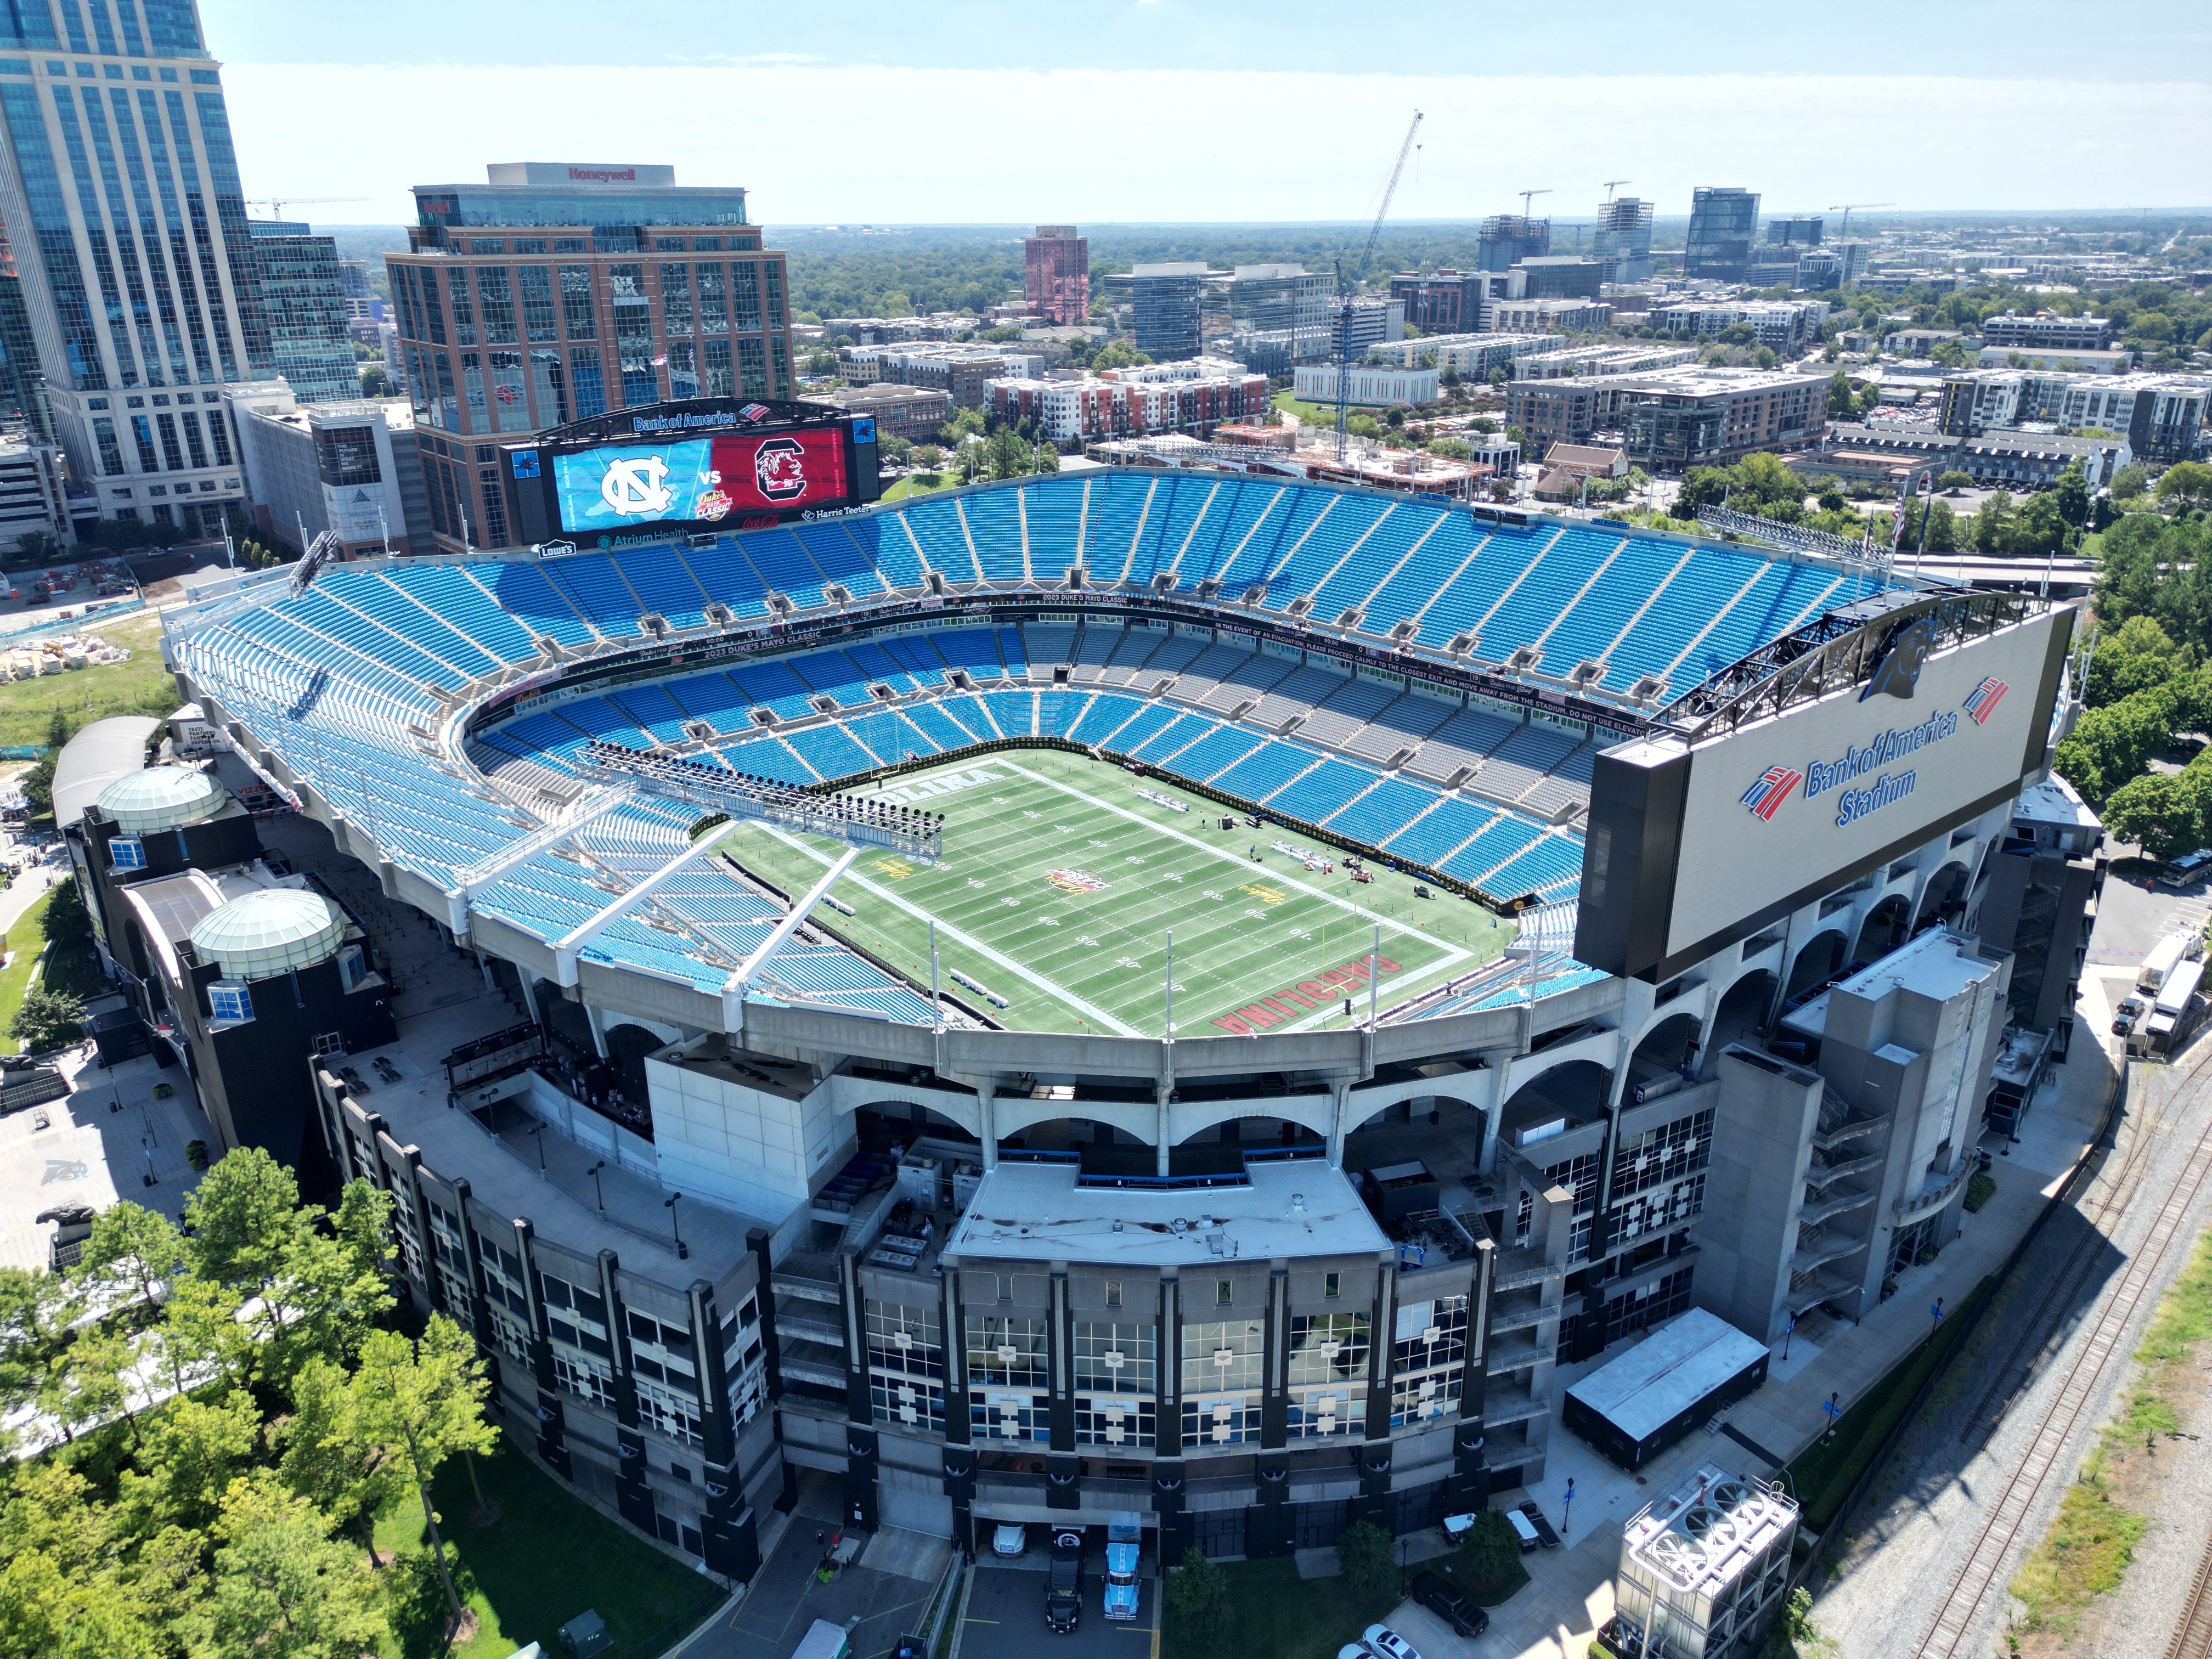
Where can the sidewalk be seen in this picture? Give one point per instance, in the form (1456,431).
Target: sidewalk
(1570,1589)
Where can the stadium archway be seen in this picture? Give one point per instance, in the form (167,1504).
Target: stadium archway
(627,1047)
(1742,1016)
(1667,1044)
(1944,897)
(1884,929)
(1013,1116)
(1189,1121)
(1580,1088)
(1821,956)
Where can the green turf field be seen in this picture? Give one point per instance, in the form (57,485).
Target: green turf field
(1059,886)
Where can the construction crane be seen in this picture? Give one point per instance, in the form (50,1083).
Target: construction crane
(1360,274)
(1847,207)
(276,206)
(1525,195)
(1610,183)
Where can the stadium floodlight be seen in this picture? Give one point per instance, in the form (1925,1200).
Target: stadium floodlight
(857,820)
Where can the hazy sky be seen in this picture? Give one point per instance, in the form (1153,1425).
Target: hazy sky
(1229,109)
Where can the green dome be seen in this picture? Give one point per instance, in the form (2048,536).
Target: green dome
(270,932)
(162,798)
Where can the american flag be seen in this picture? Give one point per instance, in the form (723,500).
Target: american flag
(1982,702)
(754,411)
(1764,797)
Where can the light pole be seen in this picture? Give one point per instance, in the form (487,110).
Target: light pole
(683,1250)
(539,1130)
(1567,1509)
(1789,1331)
(596,1192)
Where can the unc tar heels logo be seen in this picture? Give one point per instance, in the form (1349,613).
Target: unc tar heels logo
(633,489)
(1766,796)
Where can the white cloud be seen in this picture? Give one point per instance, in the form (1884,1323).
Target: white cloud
(886,144)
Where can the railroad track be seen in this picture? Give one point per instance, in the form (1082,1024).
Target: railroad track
(2066,1282)
(2193,1640)
(1977,1576)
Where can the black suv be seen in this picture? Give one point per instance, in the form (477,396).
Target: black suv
(1448,1604)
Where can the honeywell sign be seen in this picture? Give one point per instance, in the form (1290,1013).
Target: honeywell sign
(1691,849)
(602,175)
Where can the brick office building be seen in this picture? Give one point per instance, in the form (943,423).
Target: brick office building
(554,293)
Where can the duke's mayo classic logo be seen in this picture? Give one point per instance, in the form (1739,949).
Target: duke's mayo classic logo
(1982,702)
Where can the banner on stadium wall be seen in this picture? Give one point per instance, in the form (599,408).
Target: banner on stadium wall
(701,481)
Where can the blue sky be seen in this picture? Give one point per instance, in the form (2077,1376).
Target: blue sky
(1230,109)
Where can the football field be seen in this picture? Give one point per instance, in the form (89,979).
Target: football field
(1061,886)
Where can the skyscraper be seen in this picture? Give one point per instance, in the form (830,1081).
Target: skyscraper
(1165,318)
(1624,238)
(303,298)
(119,188)
(1507,239)
(1723,221)
(22,386)
(1056,267)
(556,292)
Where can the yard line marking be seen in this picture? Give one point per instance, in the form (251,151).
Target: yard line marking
(958,936)
(1455,952)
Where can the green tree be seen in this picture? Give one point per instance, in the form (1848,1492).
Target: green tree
(1953,481)
(422,1403)
(1199,1610)
(282,1589)
(48,1019)
(65,923)
(1491,1554)
(1369,1573)
(2070,495)
(2161,814)
(2186,483)
(326,1458)
(38,1313)
(2129,482)
(1118,354)
(244,1219)
(1993,524)
(1795,1636)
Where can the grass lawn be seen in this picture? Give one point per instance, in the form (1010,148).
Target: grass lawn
(1061,885)
(1824,1473)
(546,1559)
(919,483)
(1308,414)
(137,687)
(25,939)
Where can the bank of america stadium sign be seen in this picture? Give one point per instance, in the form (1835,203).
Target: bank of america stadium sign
(1874,761)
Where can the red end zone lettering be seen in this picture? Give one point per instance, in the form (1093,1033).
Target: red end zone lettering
(1277,1005)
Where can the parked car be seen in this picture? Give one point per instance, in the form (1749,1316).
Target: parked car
(2125,1013)
(1437,1596)
(1010,1540)
(1386,1643)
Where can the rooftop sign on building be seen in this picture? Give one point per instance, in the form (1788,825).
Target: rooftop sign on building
(576,172)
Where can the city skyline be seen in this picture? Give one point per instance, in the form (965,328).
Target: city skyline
(508,94)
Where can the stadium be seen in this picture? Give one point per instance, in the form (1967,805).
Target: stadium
(1188,991)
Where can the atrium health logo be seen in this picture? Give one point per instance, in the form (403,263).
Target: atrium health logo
(1764,797)
(633,487)
(1982,702)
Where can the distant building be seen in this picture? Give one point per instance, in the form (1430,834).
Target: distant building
(1588,361)
(1623,240)
(964,373)
(22,384)
(1724,222)
(1370,385)
(1673,419)
(1547,316)
(1447,302)
(2046,332)
(1373,321)
(911,412)
(2000,456)
(1800,232)
(1130,403)
(1558,276)
(1786,326)
(32,496)
(1165,307)
(2073,360)
(1056,274)
(352,469)
(1473,356)
(1507,239)
(303,295)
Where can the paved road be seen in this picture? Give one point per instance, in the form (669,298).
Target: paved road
(1006,1619)
(786,1599)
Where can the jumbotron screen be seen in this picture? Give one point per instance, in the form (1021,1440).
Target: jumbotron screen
(700,479)
(678,468)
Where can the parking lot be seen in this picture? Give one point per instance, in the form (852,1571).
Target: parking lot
(786,1598)
(1006,1616)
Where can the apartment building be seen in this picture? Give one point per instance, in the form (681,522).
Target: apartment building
(962,371)
(2162,416)
(1370,385)
(1473,355)
(1518,316)
(2046,331)
(557,291)
(1782,325)
(1130,403)
(1673,419)
(911,412)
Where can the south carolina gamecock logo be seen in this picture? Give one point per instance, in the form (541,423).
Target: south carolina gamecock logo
(780,469)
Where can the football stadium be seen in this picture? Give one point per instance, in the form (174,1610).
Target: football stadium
(1189,992)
